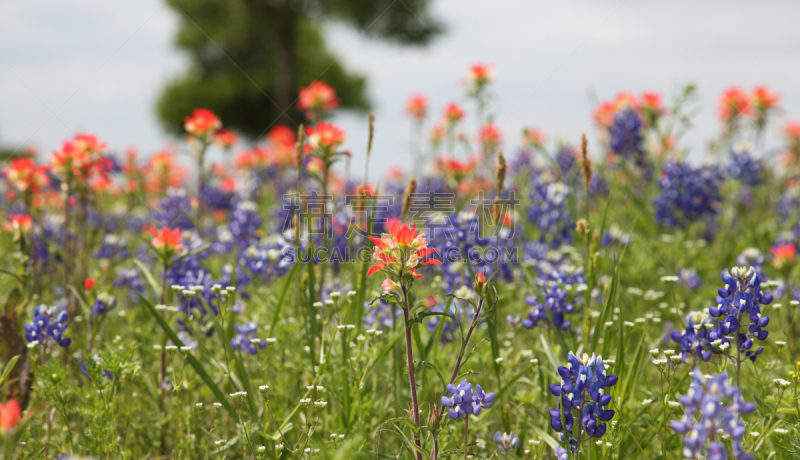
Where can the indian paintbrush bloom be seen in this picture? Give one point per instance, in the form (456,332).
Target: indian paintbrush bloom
(317,100)
(783,255)
(582,393)
(417,107)
(325,137)
(19,224)
(203,124)
(764,101)
(478,77)
(533,137)
(733,103)
(10,413)
(166,243)
(25,176)
(490,137)
(48,323)
(453,113)
(401,250)
(225,138)
(463,402)
(706,414)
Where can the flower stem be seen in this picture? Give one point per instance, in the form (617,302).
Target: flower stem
(411,379)
(466,435)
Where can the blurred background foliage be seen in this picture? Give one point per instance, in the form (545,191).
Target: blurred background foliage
(249,57)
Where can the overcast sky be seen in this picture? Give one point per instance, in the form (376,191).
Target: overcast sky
(99,65)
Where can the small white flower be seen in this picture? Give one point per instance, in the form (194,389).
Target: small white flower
(217,405)
(669,279)
(635,291)
(171,348)
(781,383)
(647,402)
(674,404)
(320,403)
(755,434)
(628,324)
(675,358)
(654,352)
(780,431)
(262,449)
(199,405)
(220,442)
(669,352)
(498,360)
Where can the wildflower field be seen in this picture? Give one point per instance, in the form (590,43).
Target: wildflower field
(501,297)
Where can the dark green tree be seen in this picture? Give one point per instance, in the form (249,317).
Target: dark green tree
(249,57)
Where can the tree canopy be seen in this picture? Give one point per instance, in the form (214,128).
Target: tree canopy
(249,57)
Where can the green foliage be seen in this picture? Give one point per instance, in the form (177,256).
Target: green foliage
(248,58)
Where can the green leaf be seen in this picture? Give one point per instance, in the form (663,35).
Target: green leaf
(435,368)
(8,368)
(549,353)
(544,436)
(287,283)
(148,277)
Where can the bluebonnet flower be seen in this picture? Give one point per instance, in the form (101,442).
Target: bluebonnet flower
(687,194)
(175,210)
(458,240)
(463,402)
(103,303)
(112,246)
(706,413)
(694,339)
(614,235)
(598,186)
(789,203)
(270,259)
(130,279)
(214,197)
(626,139)
(549,211)
(750,257)
(565,159)
(741,297)
(745,169)
(561,453)
(96,363)
(245,338)
(582,393)
(506,441)
(537,314)
(557,302)
(245,223)
(48,323)
(688,277)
